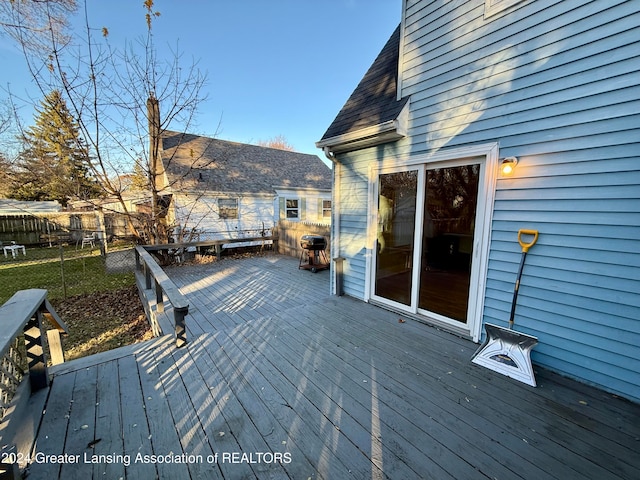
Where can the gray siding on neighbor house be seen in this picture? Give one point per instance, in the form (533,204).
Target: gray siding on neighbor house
(556,86)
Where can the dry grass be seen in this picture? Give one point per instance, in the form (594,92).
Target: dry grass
(102,321)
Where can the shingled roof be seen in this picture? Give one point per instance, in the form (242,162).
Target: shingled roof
(374,101)
(193,162)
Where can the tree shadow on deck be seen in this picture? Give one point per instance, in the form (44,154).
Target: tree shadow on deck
(304,385)
(343,389)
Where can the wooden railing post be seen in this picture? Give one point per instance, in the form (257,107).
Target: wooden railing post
(159,298)
(37,362)
(147,276)
(163,288)
(137,255)
(179,315)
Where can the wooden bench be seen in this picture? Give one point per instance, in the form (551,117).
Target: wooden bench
(56,238)
(23,372)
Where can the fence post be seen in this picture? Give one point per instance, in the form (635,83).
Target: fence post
(64,285)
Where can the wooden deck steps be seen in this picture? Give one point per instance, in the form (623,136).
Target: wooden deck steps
(333,387)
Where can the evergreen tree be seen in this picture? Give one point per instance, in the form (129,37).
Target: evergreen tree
(6,177)
(139,178)
(55,162)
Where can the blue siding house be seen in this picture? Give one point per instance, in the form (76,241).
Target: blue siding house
(425,217)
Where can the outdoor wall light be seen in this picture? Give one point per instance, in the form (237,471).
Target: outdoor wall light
(508,165)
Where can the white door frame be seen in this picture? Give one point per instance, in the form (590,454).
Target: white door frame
(487,156)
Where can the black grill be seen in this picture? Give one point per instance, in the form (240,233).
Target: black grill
(313,256)
(313,242)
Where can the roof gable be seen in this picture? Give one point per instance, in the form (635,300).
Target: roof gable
(193,162)
(374,101)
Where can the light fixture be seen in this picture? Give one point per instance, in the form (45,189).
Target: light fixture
(508,165)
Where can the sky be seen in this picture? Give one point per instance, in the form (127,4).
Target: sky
(274,67)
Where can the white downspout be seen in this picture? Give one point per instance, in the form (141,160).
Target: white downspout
(335,213)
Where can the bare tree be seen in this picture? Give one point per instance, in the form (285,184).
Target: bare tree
(32,22)
(5,117)
(123,99)
(279,142)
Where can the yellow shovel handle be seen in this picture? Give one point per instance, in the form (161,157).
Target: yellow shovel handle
(527,246)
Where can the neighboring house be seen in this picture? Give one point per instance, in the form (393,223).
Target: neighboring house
(428,226)
(135,199)
(9,206)
(223,189)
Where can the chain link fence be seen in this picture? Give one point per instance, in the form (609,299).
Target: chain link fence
(79,253)
(66,269)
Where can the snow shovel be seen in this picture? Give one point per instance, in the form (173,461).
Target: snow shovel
(504,350)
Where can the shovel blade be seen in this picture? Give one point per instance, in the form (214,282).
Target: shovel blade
(508,353)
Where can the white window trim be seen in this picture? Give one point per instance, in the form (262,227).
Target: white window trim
(287,209)
(237,207)
(486,195)
(492,7)
(326,209)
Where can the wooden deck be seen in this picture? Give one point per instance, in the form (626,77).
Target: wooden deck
(280,380)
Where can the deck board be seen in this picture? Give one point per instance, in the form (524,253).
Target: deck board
(108,421)
(81,428)
(164,437)
(552,436)
(350,422)
(398,396)
(229,293)
(192,438)
(264,409)
(441,398)
(135,430)
(293,411)
(55,420)
(341,386)
(223,419)
(375,390)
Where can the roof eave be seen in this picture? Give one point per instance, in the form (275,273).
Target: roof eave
(278,188)
(384,132)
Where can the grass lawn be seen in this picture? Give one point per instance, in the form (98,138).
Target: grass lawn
(102,309)
(83,272)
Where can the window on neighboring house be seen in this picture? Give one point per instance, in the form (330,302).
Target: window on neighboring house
(491,7)
(326,209)
(292,210)
(228,208)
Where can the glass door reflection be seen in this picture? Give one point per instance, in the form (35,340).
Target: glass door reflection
(397,193)
(447,240)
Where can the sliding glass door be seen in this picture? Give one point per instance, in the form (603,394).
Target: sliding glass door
(426,222)
(448,232)
(397,197)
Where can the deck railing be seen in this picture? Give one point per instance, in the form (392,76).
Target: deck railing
(150,276)
(217,244)
(21,317)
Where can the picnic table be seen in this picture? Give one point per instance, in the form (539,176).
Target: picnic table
(13,248)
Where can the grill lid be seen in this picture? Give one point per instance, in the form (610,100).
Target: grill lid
(313,241)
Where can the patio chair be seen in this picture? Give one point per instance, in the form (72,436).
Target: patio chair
(89,240)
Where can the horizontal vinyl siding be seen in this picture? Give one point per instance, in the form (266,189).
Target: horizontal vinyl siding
(200,213)
(353,220)
(557,86)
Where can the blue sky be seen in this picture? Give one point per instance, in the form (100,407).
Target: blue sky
(274,67)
